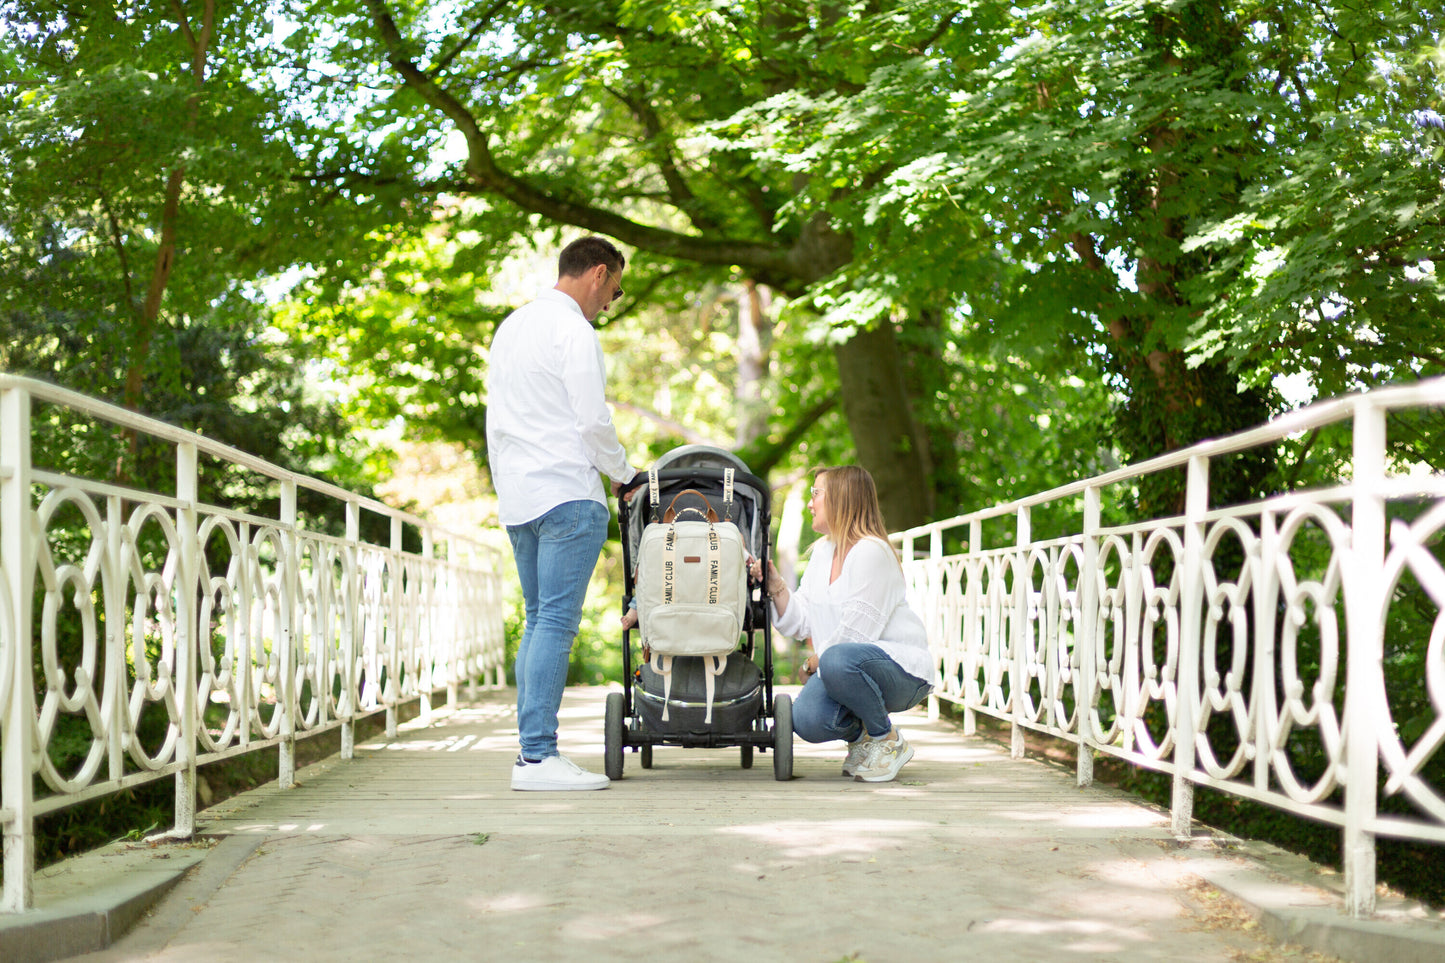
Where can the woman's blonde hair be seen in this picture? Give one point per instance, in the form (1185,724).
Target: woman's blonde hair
(851,501)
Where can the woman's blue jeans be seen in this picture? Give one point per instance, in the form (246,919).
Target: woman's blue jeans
(857,685)
(555,555)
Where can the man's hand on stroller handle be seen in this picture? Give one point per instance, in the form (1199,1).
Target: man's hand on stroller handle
(627,496)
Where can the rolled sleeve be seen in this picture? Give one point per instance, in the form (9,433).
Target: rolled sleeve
(592,418)
(793,623)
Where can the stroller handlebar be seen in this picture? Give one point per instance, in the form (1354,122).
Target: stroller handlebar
(683,474)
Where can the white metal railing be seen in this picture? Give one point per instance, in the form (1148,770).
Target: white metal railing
(183,633)
(1222,646)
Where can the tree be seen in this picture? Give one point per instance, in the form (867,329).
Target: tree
(1075,182)
(1196,200)
(614,119)
(951,203)
(151,189)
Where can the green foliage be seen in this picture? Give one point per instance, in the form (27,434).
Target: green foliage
(100,113)
(1098,231)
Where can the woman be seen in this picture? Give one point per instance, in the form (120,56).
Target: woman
(870,649)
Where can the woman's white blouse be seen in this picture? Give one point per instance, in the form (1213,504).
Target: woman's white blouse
(867,603)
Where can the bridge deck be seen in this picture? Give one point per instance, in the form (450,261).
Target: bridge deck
(418,847)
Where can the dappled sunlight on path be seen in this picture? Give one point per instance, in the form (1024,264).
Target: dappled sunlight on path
(969,852)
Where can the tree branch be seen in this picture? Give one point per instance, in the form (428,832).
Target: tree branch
(483,23)
(185,24)
(1425,355)
(935,36)
(763,455)
(119,244)
(680,193)
(768,263)
(603,321)
(689,435)
(1293,477)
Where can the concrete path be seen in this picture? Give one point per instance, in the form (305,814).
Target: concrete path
(418,849)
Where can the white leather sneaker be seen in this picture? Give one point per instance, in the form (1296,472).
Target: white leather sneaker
(883,761)
(555,774)
(857,752)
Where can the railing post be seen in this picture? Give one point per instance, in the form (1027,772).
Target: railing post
(1191,610)
(499,630)
(396,636)
(188,638)
(289,563)
(971,631)
(425,637)
(1019,685)
(1048,640)
(464,589)
(935,597)
(1132,580)
(17,696)
(453,634)
(113,592)
(1087,638)
(1364,625)
(247,620)
(346,708)
(1266,595)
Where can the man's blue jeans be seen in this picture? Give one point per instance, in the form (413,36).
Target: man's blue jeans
(857,685)
(555,555)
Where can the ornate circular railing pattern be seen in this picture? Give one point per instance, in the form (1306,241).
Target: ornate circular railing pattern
(169,633)
(1245,647)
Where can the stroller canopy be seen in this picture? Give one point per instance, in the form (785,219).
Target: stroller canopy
(700,468)
(700,456)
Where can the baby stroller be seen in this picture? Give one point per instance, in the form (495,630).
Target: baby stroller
(684,532)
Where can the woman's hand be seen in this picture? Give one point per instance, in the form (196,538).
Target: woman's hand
(775,584)
(777,589)
(809,668)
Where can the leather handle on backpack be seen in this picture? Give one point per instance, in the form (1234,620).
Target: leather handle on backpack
(671,514)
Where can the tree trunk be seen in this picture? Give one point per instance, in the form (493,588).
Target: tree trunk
(887,437)
(752,413)
(199,44)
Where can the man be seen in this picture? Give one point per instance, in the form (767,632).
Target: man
(550,438)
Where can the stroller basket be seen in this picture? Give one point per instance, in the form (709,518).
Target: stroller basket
(683,706)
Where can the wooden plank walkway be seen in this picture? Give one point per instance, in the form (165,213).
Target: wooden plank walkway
(418,847)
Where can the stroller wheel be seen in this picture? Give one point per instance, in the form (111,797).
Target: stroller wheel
(782,738)
(612,730)
(747,755)
(646,753)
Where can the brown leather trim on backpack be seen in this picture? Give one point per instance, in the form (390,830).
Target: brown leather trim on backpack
(671,514)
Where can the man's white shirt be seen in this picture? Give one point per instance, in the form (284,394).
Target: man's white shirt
(550,435)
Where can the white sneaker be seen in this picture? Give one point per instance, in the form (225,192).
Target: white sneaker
(883,761)
(857,752)
(555,774)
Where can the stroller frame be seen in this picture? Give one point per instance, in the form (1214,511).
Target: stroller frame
(772,726)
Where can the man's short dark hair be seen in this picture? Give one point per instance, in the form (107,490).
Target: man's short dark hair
(586,253)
